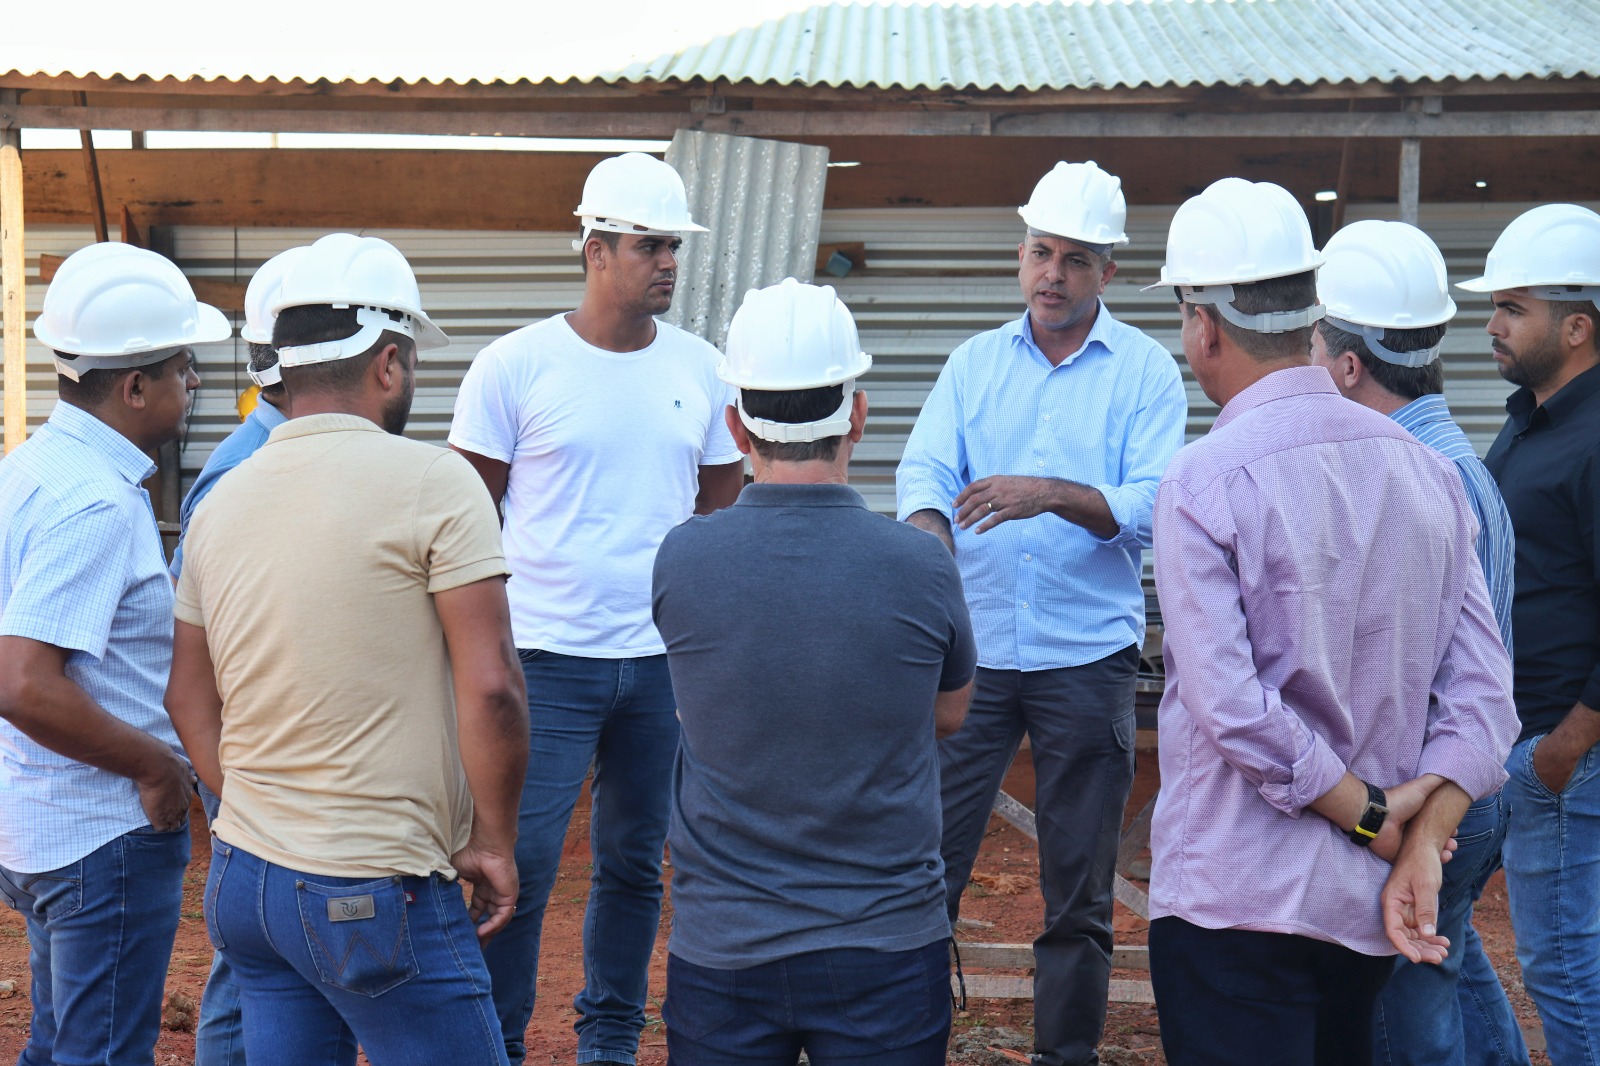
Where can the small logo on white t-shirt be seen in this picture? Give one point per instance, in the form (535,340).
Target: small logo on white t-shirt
(678,404)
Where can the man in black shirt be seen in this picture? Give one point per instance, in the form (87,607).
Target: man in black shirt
(1544,274)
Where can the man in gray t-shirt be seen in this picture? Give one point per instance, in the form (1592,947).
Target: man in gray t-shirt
(816,651)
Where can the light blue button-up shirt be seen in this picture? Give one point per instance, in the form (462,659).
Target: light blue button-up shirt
(1043,592)
(1427,418)
(81,568)
(235,448)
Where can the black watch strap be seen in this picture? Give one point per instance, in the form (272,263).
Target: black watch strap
(1366,830)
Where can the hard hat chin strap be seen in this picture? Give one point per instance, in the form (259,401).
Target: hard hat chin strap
(1373,335)
(835,425)
(1221,297)
(74,368)
(373,322)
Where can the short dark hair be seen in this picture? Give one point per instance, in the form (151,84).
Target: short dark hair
(800,405)
(1560,309)
(263,357)
(94,387)
(1407,382)
(1291,293)
(316,323)
(610,238)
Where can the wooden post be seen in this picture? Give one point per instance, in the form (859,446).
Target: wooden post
(13,274)
(91,168)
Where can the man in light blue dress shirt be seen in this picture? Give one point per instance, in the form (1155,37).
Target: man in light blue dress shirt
(94,786)
(219,1036)
(1036,459)
(1389,306)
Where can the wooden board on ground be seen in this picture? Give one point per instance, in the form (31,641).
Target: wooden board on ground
(999,986)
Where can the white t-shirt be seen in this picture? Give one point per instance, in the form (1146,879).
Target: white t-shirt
(605,450)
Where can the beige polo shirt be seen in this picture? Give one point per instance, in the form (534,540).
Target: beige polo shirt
(311,567)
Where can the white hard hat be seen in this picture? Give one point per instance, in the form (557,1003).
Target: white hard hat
(1234,233)
(787,337)
(366,273)
(1380,276)
(258,320)
(1080,202)
(1553,251)
(113,306)
(634,193)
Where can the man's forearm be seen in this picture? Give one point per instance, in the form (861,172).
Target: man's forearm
(1434,825)
(493,735)
(1082,506)
(934,522)
(49,708)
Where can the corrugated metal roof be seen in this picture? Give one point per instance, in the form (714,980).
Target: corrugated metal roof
(762,201)
(1069,44)
(1112,43)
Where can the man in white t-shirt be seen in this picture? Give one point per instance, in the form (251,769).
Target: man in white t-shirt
(597,431)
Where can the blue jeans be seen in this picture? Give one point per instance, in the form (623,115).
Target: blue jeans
(1455,1013)
(1552,858)
(325,962)
(219,1036)
(100,935)
(618,714)
(844,1005)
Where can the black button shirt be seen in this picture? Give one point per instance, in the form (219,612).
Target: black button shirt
(1547,461)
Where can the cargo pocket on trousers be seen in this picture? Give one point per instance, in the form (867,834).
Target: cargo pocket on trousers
(1118,772)
(359,935)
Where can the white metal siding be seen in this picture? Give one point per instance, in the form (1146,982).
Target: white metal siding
(957,270)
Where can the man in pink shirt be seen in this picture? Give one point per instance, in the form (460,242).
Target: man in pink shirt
(1337,690)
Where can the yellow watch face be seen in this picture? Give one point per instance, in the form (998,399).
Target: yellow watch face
(248,400)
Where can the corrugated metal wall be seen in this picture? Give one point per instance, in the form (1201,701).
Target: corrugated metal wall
(934,278)
(762,202)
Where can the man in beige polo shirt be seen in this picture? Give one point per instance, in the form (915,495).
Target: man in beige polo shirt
(345,679)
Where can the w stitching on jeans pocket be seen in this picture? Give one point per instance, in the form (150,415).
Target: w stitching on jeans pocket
(527,655)
(220,854)
(366,956)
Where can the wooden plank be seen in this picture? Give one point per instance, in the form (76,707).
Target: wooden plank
(91,170)
(537,190)
(1318,125)
(996,956)
(1130,896)
(223,295)
(48,265)
(1020,956)
(1136,837)
(1000,986)
(1017,814)
(1131,992)
(13,278)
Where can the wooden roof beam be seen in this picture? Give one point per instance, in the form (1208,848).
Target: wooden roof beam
(823,123)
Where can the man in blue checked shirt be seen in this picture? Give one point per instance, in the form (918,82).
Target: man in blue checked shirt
(94,787)
(1036,459)
(1385,289)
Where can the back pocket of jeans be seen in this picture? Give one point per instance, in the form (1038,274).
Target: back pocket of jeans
(358,934)
(220,854)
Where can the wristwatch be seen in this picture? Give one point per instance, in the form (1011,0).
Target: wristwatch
(1366,830)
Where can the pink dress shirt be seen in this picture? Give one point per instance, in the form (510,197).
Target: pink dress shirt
(1324,610)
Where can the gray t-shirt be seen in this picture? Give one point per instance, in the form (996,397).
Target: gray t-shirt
(807,638)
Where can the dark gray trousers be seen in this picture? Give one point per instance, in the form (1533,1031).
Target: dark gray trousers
(1079,722)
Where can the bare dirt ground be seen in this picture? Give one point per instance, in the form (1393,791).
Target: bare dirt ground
(989,1033)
